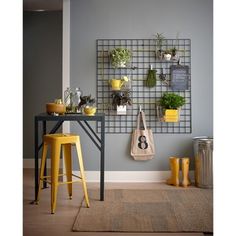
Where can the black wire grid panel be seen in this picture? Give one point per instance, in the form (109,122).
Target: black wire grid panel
(143,55)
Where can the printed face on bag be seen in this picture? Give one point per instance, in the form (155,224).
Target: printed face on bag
(142,142)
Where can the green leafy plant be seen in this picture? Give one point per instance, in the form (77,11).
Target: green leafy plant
(171,101)
(173,51)
(87,101)
(120,57)
(159,40)
(121,98)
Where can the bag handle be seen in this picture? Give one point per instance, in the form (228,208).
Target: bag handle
(142,116)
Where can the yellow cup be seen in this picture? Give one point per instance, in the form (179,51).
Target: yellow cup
(116,84)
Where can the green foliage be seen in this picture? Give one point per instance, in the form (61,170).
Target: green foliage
(151,78)
(87,100)
(159,39)
(121,98)
(120,55)
(171,101)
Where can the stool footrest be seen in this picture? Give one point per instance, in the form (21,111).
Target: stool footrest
(44,179)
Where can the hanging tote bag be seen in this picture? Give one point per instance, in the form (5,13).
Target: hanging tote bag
(142,143)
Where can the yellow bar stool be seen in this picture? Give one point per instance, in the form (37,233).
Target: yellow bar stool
(65,141)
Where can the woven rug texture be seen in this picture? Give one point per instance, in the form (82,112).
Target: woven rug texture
(168,210)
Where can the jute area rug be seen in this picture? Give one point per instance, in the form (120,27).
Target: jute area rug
(169,210)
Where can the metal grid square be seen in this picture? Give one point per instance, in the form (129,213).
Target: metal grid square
(143,54)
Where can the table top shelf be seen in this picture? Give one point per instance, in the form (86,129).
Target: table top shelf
(71,117)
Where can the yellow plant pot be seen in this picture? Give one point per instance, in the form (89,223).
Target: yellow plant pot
(116,84)
(171,115)
(90,111)
(55,108)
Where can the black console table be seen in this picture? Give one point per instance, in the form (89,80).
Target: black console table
(82,120)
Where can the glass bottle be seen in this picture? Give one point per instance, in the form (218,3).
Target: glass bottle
(68,99)
(77,99)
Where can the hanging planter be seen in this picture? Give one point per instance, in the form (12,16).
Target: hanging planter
(120,57)
(151,78)
(167,55)
(168,107)
(120,101)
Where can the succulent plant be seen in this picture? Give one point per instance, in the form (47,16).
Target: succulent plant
(120,57)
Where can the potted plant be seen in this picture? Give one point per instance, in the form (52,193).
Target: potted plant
(120,57)
(167,55)
(88,105)
(159,40)
(120,100)
(171,104)
(174,54)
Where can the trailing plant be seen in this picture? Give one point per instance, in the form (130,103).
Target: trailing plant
(87,101)
(120,56)
(171,101)
(121,99)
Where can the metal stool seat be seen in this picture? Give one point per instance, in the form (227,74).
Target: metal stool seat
(65,141)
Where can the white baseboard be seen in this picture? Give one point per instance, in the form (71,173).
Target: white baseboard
(119,176)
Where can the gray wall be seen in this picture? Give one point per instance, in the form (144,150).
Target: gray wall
(93,19)
(42,68)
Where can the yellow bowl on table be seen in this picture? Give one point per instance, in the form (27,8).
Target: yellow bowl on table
(53,108)
(90,111)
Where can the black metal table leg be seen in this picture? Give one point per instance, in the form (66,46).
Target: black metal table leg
(45,169)
(102,159)
(36,165)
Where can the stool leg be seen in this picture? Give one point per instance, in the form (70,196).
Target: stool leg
(68,165)
(42,167)
(81,165)
(55,161)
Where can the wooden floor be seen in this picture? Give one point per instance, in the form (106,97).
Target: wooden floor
(38,221)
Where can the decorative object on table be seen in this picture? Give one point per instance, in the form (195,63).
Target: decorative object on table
(168,107)
(56,108)
(167,55)
(120,57)
(120,101)
(88,105)
(142,142)
(151,78)
(175,167)
(158,41)
(179,77)
(72,99)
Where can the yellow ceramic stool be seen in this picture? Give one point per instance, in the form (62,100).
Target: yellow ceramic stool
(66,141)
(185,172)
(174,166)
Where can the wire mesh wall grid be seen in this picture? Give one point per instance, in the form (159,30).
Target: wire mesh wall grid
(143,55)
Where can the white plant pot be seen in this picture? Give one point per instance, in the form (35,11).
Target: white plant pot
(121,110)
(122,64)
(167,57)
